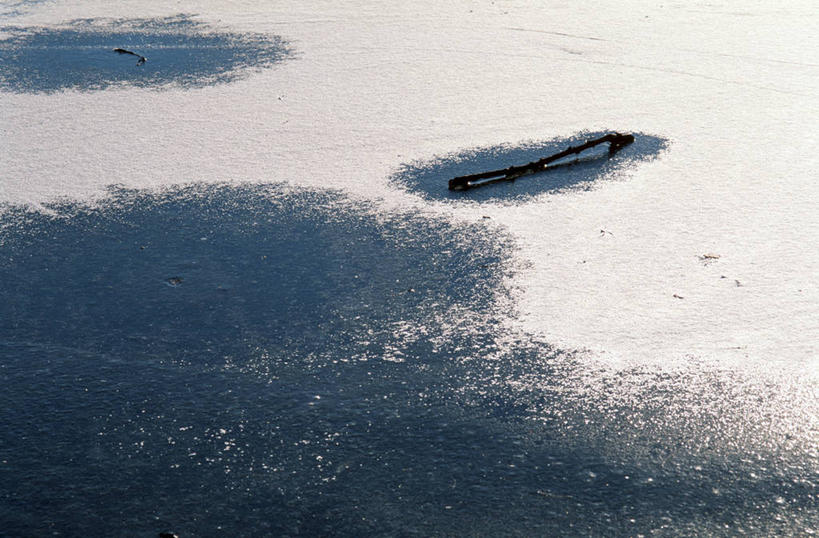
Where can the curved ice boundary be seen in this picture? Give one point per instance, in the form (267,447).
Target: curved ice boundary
(181,52)
(260,360)
(429,178)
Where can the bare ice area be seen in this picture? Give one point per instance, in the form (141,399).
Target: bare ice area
(82,55)
(269,360)
(233,276)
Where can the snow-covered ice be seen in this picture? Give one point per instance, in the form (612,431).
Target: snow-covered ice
(694,254)
(731,85)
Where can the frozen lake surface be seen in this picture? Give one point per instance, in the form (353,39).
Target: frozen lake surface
(237,297)
(82,55)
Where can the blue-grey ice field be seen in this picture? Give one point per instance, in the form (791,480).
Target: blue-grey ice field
(238,299)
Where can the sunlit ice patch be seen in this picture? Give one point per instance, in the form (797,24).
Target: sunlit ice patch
(584,171)
(178,51)
(298,362)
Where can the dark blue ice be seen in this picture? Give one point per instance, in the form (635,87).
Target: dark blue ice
(256,361)
(181,52)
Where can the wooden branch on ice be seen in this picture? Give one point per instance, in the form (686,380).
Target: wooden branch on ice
(142,59)
(616,142)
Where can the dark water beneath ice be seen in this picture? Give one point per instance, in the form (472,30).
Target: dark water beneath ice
(254,361)
(181,53)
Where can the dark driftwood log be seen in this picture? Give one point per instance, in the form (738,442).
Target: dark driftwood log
(461,183)
(142,59)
